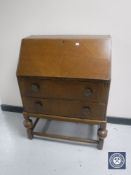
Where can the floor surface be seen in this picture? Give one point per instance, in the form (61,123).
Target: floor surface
(21,156)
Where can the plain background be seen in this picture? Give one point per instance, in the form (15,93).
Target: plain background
(19,19)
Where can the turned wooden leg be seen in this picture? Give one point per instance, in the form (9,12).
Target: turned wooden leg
(28,125)
(102,133)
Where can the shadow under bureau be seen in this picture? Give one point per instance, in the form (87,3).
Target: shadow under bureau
(65,78)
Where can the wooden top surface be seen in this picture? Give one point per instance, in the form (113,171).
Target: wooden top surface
(68,37)
(86,57)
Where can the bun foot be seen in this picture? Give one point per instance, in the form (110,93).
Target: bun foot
(102,133)
(28,125)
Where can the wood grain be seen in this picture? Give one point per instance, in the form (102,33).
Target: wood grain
(63,58)
(67,108)
(64,89)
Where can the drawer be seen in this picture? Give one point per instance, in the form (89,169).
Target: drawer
(67,108)
(64,89)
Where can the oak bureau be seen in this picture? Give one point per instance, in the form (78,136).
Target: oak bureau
(65,78)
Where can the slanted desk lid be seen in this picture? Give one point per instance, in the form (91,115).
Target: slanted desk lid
(86,57)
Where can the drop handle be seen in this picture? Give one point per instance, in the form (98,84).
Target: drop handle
(39,103)
(88,92)
(35,87)
(86,111)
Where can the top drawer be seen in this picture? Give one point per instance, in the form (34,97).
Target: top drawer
(64,89)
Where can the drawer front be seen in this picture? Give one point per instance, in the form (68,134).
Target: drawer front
(67,108)
(64,89)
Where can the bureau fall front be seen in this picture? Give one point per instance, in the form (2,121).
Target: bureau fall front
(65,78)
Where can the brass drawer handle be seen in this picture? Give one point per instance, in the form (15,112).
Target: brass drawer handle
(86,111)
(35,87)
(88,92)
(39,103)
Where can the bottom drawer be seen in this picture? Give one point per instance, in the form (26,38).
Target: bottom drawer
(66,108)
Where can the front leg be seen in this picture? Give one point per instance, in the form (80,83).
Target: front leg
(28,124)
(102,133)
